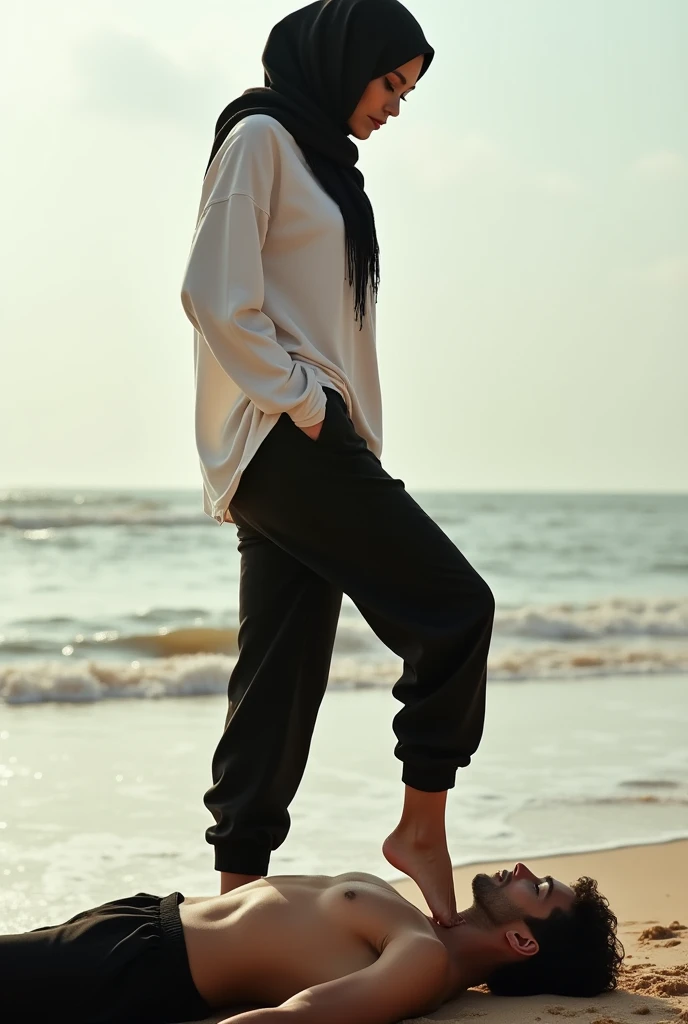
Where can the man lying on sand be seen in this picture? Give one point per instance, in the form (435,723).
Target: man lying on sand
(311,949)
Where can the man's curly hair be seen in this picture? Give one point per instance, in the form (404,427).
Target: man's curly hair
(579,953)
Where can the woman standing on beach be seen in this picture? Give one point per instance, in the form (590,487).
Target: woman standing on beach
(280,286)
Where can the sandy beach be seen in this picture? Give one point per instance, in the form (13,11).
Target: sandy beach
(648,890)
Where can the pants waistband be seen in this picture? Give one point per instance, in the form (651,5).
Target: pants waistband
(182,988)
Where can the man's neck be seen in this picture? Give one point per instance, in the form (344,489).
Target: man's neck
(472,958)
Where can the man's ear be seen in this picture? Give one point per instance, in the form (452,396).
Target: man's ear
(522,942)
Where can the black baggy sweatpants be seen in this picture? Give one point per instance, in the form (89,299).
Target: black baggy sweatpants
(123,962)
(316,518)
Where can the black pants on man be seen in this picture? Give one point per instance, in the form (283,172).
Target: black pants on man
(123,962)
(316,519)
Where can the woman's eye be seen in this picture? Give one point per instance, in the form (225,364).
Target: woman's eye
(391,88)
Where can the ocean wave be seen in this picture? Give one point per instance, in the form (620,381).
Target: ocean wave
(157,613)
(184,675)
(614,617)
(558,662)
(18,496)
(164,643)
(60,519)
(619,616)
(188,675)
(677,566)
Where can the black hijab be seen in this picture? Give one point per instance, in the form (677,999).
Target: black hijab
(318,62)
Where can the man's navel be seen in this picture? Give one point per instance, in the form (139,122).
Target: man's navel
(350,894)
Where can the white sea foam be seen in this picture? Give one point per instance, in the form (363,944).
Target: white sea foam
(189,675)
(617,616)
(567,662)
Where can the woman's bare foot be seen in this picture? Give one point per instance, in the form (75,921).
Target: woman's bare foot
(418,848)
(230,880)
(428,863)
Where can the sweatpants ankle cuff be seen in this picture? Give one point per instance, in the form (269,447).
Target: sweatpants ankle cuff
(428,778)
(242,861)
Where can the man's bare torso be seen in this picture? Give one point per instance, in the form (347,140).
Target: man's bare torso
(272,938)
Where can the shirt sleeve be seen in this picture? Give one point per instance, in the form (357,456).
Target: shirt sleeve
(223,289)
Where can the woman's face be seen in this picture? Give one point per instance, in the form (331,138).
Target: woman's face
(383,97)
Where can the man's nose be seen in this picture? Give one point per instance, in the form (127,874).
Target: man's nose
(521,871)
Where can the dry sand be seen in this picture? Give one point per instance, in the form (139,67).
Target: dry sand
(647,887)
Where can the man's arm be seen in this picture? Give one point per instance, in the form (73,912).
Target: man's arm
(409,978)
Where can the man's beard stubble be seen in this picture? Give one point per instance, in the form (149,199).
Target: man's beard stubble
(493,901)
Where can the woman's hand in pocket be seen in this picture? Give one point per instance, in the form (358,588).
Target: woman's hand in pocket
(314,431)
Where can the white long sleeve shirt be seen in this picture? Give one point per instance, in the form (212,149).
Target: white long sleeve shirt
(266,290)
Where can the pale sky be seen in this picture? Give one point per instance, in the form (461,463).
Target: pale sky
(532,210)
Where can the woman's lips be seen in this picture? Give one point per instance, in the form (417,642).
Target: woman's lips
(376,123)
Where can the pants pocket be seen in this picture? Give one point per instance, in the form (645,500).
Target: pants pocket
(332,397)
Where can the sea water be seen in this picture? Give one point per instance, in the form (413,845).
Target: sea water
(118,620)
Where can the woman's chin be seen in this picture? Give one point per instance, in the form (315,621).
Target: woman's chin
(361,133)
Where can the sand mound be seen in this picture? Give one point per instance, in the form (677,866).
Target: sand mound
(653,981)
(661,931)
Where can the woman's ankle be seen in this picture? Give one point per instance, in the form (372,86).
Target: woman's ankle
(232,880)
